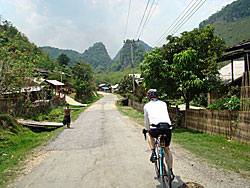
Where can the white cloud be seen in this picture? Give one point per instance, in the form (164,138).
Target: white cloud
(78,24)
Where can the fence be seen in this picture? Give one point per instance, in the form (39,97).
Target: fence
(233,125)
(176,116)
(16,108)
(245,92)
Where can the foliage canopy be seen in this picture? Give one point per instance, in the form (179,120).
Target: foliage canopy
(186,65)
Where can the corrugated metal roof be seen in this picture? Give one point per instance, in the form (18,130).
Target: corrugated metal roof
(115,86)
(136,75)
(226,72)
(55,82)
(105,88)
(26,89)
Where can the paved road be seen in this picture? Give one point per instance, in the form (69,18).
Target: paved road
(104,149)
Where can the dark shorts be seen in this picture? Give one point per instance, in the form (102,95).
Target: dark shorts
(156,132)
(67,119)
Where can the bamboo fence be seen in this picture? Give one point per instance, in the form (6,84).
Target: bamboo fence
(233,125)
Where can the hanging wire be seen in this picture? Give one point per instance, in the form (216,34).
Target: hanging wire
(148,17)
(127,20)
(142,19)
(194,10)
(177,21)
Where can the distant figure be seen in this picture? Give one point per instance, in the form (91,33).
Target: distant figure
(67,115)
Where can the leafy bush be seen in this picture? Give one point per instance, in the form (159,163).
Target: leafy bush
(231,104)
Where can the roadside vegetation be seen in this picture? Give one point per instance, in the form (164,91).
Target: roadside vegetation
(213,149)
(57,114)
(17,142)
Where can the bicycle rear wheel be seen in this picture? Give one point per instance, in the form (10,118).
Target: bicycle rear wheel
(166,177)
(157,164)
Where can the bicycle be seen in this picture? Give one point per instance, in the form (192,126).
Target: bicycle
(162,167)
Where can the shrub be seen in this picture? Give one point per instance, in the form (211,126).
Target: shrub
(231,104)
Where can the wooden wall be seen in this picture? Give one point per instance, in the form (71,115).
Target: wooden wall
(233,125)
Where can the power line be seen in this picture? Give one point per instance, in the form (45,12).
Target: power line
(175,22)
(189,17)
(142,19)
(127,20)
(183,20)
(148,17)
(194,10)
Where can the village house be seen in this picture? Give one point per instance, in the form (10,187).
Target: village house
(105,88)
(237,72)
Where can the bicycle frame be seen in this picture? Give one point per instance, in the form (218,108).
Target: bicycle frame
(161,149)
(162,166)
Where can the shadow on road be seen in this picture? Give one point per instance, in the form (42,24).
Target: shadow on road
(175,184)
(42,129)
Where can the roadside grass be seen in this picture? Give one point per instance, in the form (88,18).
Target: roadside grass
(213,149)
(18,142)
(57,114)
(137,116)
(217,150)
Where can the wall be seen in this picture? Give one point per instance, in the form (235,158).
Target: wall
(232,125)
(15,108)
(176,116)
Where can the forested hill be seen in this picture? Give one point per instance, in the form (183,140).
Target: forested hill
(97,55)
(232,22)
(146,47)
(55,52)
(123,58)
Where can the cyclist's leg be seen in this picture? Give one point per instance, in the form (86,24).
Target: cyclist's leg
(170,156)
(167,149)
(168,152)
(151,142)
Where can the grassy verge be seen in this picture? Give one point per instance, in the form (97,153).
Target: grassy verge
(56,115)
(17,142)
(213,149)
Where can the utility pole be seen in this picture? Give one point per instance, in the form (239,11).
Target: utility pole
(61,74)
(132,65)
(132,61)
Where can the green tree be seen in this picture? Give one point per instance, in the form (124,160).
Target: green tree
(157,72)
(125,86)
(83,81)
(186,65)
(186,72)
(19,60)
(63,60)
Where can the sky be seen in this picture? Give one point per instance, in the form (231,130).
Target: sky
(78,24)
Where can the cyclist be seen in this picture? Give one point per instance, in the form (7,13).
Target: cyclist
(156,112)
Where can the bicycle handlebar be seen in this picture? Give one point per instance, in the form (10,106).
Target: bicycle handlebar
(144,131)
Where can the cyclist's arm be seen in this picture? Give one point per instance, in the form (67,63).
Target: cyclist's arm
(146,120)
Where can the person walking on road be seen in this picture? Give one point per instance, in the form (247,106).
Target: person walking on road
(155,113)
(67,115)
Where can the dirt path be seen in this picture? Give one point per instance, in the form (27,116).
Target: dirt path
(104,149)
(72,102)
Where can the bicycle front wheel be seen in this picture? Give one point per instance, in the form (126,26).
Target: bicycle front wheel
(166,177)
